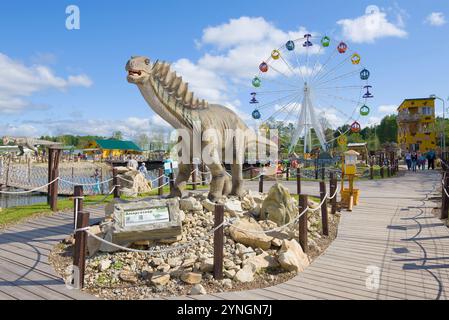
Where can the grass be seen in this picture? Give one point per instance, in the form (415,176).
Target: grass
(9,216)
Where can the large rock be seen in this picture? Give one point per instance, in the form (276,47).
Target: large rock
(133,182)
(128,276)
(246,274)
(262,261)
(190,204)
(93,245)
(278,206)
(233,207)
(191,277)
(197,290)
(292,257)
(250,233)
(160,279)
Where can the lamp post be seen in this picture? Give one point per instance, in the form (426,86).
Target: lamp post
(444,120)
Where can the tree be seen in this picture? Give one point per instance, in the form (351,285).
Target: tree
(117,135)
(387,130)
(143,141)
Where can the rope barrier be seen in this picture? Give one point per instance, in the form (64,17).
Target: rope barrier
(30,191)
(86,184)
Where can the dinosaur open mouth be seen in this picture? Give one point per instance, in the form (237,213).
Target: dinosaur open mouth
(134,72)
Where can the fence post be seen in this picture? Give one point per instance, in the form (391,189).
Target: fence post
(261,183)
(54,168)
(172,178)
(382,171)
(332,191)
(298,180)
(324,217)
(445,198)
(203,174)
(303,204)
(160,191)
(79,251)
(78,194)
(323,173)
(218,242)
(115,183)
(194,177)
(287,173)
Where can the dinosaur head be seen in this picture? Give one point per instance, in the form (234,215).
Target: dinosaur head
(139,69)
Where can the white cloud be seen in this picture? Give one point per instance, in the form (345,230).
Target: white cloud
(388,109)
(436,19)
(130,127)
(371,26)
(18,81)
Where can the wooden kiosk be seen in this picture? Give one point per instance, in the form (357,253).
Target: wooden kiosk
(349,196)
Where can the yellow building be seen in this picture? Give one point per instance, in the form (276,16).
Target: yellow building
(416,125)
(112,148)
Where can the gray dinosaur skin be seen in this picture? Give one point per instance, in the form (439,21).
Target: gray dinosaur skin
(29,143)
(166,95)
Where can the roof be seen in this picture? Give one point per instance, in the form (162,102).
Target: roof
(352,153)
(358,144)
(117,145)
(417,99)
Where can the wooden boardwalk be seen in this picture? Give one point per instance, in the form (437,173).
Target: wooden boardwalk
(392,232)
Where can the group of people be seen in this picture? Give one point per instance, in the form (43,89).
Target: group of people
(417,160)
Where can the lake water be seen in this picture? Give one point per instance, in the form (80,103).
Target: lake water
(9,201)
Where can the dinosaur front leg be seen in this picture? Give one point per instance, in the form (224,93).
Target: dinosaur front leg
(237,180)
(181,180)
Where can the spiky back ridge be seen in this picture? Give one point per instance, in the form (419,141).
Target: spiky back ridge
(172,89)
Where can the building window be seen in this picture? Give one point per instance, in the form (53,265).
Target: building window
(426,111)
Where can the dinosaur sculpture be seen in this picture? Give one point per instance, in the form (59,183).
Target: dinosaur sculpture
(25,142)
(170,98)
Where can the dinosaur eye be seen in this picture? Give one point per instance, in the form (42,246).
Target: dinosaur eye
(147,61)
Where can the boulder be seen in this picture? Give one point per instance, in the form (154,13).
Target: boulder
(128,276)
(250,233)
(197,290)
(229,273)
(226,283)
(278,206)
(246,274)
(191,277)
(233,207)
(133,182)
(93,245)
(262,261)
(104,264)
(160,279)
(207,265)
(190,204)
(208,205)
(292,257)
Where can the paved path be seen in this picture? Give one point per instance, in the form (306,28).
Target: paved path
(392,233)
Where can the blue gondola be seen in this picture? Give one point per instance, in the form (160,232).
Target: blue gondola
(290,45)
(256,114)
(364,74)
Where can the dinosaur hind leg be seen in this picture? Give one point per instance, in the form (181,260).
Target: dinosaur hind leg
(181,180)
(237,180)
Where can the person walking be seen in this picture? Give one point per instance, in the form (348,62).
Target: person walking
(96,176)
(414,160)
(431,160)
(408,160)
(422,161)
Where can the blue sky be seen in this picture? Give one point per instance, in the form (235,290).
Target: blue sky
(56,81)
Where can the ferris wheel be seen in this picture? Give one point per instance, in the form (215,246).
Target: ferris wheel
(313,83)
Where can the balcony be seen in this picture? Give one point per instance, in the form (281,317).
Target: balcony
(403,118)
